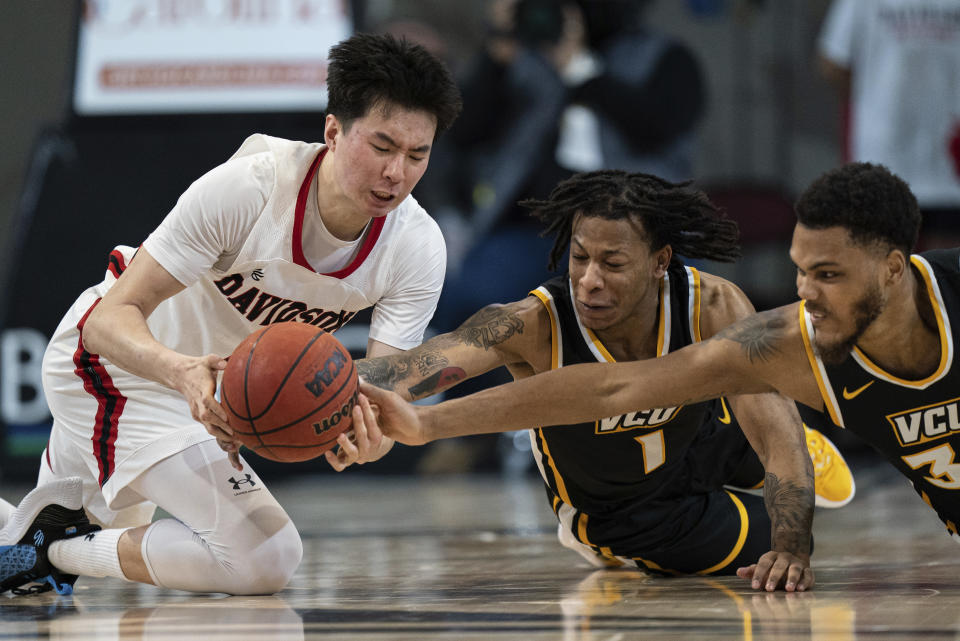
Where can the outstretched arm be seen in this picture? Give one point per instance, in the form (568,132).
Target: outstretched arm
(494,336)
(574,394)
(585,392)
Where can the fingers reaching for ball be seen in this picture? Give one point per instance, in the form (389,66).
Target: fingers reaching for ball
(233,453)
(362,443)
(232,448)
(367,427)
(214,418)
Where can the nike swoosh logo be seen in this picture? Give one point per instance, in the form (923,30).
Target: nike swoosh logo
(855,393)
(725,419)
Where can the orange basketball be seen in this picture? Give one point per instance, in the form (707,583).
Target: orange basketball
(289,390)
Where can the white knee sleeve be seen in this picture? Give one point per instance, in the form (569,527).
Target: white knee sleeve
(228,533)
(179,558)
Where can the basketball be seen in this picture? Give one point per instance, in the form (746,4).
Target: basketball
(289,390)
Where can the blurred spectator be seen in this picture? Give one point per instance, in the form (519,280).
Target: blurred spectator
(560,86)
(897,65)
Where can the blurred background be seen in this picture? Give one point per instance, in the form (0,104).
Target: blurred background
(111,108)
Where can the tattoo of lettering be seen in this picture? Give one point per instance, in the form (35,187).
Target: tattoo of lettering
(790,507)
(490,326)
(758,335)
(436,382)
(384,372)
(430,361)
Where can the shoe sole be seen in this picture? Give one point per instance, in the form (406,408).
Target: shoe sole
(19,563)
(67,493)
(26,562)
(827,503)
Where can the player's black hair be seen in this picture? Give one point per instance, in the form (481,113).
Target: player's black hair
(672,214)
(367,70)
(868,200)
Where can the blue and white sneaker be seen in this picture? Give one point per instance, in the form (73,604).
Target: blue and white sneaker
(49,513)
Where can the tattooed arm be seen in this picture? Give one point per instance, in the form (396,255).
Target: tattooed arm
(585,392)
(496,335)
(511,334)
(773,427)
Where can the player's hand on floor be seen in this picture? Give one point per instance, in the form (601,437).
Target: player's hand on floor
(398,419)
(776,570)
(360,444)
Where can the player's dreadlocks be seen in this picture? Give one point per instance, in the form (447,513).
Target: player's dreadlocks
(671,213)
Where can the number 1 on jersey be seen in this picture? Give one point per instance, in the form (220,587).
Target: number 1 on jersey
(653,450)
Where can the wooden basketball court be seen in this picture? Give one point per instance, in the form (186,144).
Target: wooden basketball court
(471,558)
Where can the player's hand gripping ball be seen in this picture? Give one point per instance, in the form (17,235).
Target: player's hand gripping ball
(289,390)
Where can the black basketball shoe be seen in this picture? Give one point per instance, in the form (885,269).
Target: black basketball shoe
(49,513)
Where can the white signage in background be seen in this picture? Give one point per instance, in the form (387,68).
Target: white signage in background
(21,355)
(193,56)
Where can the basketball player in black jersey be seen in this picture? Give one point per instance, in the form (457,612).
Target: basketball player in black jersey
(645,487)
(871,344)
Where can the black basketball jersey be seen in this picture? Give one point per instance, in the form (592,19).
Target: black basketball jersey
(614,464)
(914,424)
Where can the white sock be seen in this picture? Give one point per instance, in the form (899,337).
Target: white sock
(93,554)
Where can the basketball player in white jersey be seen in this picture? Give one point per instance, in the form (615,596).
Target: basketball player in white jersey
(282,231)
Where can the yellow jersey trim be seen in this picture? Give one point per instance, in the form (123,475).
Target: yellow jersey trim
(816,365)
(693,276)
(602,354)
(556,361)
(597,346)
(561,486)
(744,527)
(652,565)
(663,330)
(548,302)
(943,326)
(582,529)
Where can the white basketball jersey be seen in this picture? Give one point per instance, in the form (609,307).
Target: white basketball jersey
(270,281)
(257,277)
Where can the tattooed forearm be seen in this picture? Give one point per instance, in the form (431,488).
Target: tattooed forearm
(436,382)
(790,507)
(390,372)
(490,326)
(758,335)
(384,372)
(430,361)
(427,370)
